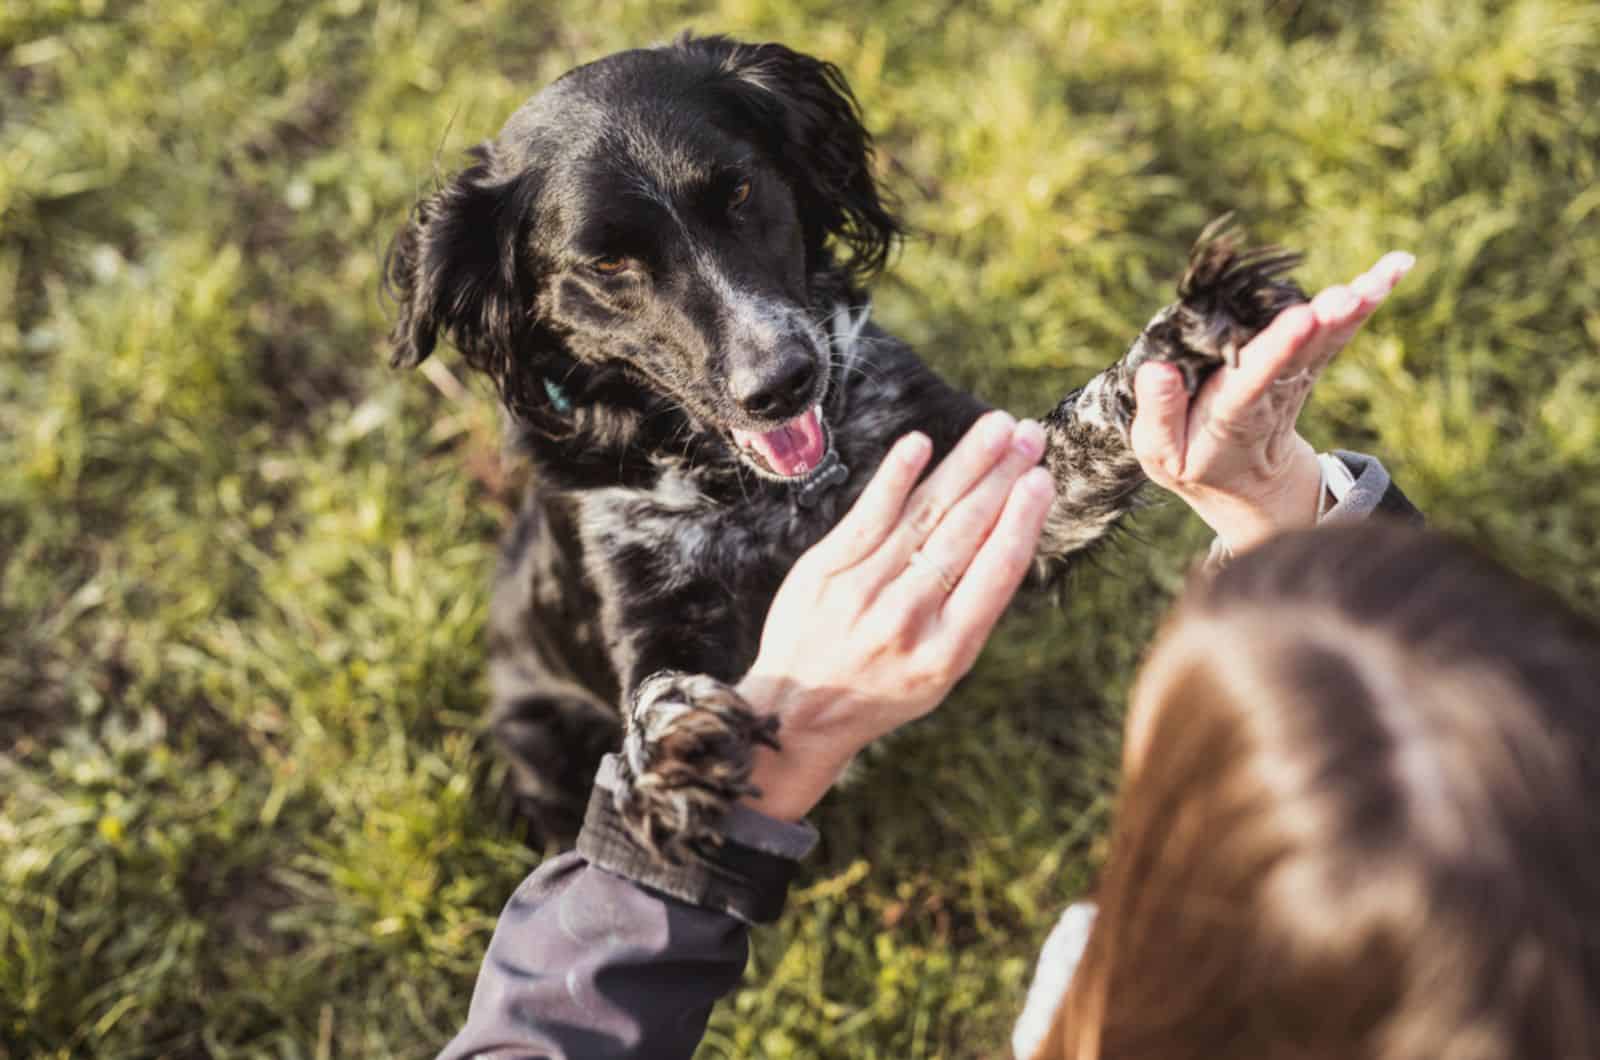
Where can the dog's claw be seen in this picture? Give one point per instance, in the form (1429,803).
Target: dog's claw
(1227,296)
(1230,292)
(1194,372)
(686,758)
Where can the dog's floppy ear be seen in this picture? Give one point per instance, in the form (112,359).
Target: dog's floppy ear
(807,117)
(453,269)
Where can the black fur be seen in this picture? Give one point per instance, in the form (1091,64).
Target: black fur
(659,249)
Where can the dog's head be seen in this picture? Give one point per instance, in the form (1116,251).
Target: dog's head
(661,223)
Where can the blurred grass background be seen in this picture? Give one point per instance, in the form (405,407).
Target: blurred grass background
(244,810)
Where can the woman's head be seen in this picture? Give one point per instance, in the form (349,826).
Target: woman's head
(1356,818)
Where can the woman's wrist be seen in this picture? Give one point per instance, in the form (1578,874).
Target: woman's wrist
(789,783)
(1290,501)
(792,778)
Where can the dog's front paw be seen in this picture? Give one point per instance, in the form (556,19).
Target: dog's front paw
(686,757)
(1228,294)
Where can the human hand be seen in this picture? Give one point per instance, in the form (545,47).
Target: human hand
(1232,452)
(879,619)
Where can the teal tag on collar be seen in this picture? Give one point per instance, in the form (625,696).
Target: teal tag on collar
(558,396)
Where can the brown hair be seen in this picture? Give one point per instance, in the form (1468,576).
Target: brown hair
(1360,821)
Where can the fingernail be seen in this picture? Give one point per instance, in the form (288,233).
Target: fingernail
(1403,260)
(1039,484)
(1370,286)
(912,448)
(1000,425)
(1028,439)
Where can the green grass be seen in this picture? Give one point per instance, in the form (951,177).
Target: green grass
(244,810)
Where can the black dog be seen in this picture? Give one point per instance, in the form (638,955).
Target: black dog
(660,264)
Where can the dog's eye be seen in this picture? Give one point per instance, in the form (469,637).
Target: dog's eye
(740,196)
(609,266)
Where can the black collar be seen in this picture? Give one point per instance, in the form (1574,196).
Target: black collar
(826,475)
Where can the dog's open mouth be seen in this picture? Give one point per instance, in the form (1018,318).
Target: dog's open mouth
(793,450)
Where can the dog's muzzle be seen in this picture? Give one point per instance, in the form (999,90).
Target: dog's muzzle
(799,452)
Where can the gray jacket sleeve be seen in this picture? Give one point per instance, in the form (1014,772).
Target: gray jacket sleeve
(594,956)
(1370,492)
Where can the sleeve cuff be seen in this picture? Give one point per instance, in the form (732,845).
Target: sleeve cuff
(1371,491)
(747,875)
(1359,484)
(1357,492)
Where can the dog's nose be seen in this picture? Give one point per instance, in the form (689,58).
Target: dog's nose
(774,389)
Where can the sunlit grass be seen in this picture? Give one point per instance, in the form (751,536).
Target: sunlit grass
(244,809)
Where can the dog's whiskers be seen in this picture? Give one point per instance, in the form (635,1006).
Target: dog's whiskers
(871,374)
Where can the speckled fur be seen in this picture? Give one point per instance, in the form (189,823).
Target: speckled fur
(647,551)
(685,758)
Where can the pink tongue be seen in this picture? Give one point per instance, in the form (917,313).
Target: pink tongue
(793,449)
